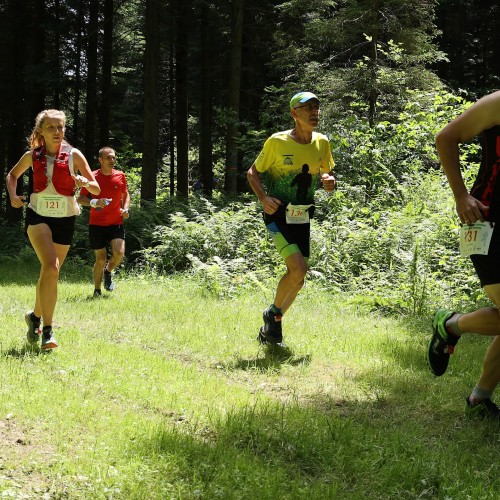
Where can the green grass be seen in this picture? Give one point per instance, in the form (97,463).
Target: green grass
(159,390)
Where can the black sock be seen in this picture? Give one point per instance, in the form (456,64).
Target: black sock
(275,309)
(47,329)
(34,318)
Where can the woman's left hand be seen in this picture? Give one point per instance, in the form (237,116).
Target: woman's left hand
(80,180)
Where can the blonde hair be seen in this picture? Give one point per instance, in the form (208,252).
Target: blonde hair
(35,140)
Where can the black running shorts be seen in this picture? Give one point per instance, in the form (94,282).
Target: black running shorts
(101,236)
(63,228)
(488,266)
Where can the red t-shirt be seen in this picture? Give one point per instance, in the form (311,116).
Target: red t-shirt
(113,187)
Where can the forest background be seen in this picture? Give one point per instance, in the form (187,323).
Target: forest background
(187,91)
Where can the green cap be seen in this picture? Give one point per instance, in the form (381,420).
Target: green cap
(302,97)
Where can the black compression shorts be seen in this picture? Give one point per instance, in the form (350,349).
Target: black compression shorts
(63,228)
(488,266)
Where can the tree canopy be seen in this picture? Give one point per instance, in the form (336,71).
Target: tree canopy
(186,91)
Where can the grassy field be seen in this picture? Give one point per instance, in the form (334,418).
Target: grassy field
(159,391)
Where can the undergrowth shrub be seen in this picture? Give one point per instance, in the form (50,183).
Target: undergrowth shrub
(388,235)
(400,258)
(228,233)
(13,239)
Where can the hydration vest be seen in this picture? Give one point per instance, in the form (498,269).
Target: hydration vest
(486,187)
(61,178)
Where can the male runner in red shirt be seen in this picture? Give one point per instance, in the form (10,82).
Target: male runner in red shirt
(107,212)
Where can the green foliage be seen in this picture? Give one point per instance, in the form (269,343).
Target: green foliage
(385,157)
(361,50)
(13,240)
(201,230)
(389,232)
(159,391)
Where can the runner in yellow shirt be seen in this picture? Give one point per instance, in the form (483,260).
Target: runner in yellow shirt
(284,178)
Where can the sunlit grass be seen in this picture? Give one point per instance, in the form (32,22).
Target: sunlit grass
(159,390)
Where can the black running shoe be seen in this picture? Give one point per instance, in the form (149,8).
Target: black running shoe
(109,284)
(33,335)
(485,410)
(442,344)
(48,339)
(271,331)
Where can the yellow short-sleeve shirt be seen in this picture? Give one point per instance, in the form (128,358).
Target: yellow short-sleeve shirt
(291,171)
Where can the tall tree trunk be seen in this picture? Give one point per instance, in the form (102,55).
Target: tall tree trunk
(107,62)
(151,101)
(171,106)
(181,94)
(36,78)
(78,78)
(231,174)
(374,64)
(16,62)
(56,60)
(206,102)
(36,59)
(91,101)
(373,92)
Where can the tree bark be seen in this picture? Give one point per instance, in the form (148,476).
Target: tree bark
(16,62)
(182,92)
(171,106)
(206,168)
(231,174)
(151,102)
(107,62)
(374,64)
(91,101)
(78,77)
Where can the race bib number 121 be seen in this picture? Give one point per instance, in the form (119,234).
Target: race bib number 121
(476,238)
(52,205)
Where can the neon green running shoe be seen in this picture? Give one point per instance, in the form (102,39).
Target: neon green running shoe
(485,410)
(442,344)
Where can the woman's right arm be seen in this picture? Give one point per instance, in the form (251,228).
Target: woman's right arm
(17,170)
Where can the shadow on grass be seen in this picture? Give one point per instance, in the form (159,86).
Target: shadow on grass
(274,358)
(25,351)
(25,271)
(326,448)
(89,298)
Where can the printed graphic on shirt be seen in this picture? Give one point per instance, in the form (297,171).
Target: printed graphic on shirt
(291,171)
